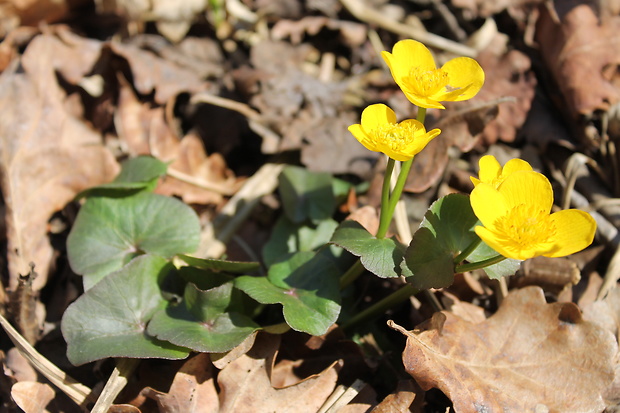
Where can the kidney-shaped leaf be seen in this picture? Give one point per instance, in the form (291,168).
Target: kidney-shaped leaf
(307,287)
(201,322)
(110,319)
(137,174)
(306,195)
(381,257)
(528,356)
(447,229)
(109,232)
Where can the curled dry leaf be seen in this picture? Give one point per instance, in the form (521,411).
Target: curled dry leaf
(192,390)
(528,355)
(606,313)
(144,131)
(32,397)
(245,384)
(583,54)
(47,155)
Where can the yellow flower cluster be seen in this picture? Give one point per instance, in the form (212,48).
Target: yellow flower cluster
(514,206)
(413,69)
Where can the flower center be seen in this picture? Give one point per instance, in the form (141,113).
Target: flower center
(526,227)
(394,136)
(426,82)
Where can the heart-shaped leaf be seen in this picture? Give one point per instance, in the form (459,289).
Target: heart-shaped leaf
(447,229)
(110,319)
(288,238)
(307,287)
(381,257)
(137,174)
(203,321)
(231,267)
(306,195)
(496,271)
(109,232)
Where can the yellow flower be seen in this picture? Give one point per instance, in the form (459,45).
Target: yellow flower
(379,132)
(414,70)
(518,223)
(491,172)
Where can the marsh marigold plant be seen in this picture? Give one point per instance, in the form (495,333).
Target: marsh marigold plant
(517,221)
(414,70)
(379,132)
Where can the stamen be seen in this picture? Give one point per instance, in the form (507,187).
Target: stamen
(525,227)
(427,82)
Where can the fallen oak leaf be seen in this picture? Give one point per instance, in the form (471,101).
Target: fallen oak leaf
(47,156)
(245,384)
(528,355)
(192,390)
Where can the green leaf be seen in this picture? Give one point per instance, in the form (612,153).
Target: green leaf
(232,267)
(307,287)
(109,232)
(381,257)
(110,319)
(288,238)
(202,321)
(447,229)
(306,195)
(496,271)
(137,174)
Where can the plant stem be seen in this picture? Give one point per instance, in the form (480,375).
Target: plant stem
(351,275)
(388,202)
(384,219)
(465,253)
(380,306)
(480,264)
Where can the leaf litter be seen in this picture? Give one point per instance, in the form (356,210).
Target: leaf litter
(78,97)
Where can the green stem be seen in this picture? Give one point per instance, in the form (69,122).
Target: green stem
(381,306)
(351,275)
(480,264)
(388,207)
(465,253)
(384,220)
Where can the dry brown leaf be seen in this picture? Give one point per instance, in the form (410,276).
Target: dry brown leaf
(400,401)
(47,156)
(354,34)
(192,390)
(32,397)
(528,355)
(144,131)
(466,311)
(580,47)
(551,274)
(245,384)
(606,313)
(192,160)
(367,216)
(152,73)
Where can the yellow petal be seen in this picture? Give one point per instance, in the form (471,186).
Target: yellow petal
(465,74)
(574,231)
(501,246)
(515,165)
(527,187)
(421,138)
(423,101)
(488,204)
(377,115)
(362,137)
(405,55)
(490,168)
